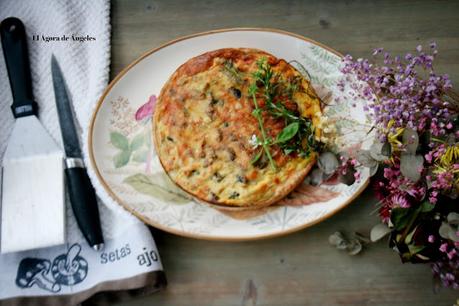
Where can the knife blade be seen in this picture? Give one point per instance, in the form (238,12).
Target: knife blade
(81,192)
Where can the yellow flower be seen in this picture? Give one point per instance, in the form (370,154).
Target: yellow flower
(447,162)
(393,138)
(450,156)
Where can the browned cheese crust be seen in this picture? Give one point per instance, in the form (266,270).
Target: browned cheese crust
(203,124)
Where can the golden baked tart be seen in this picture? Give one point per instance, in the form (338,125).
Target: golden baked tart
(235,128)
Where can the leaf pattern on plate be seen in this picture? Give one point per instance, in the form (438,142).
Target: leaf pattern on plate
(277,218)
(133,171)
(154,187)
(322,65)
(307,194)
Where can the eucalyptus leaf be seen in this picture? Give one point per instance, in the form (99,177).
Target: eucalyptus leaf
(453,218)
(119,141)
(380,151)
(410,139)
(343,245)
(355,247)
(328,162)
(352,246)
(337,239)
(288,132)
(122,158)
(364,157)
(445,230)
(379,231)
(374,169)
(411,166)
(316,177)
(386,149)
(453,235)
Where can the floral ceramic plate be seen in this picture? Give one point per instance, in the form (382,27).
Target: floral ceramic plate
(126,165)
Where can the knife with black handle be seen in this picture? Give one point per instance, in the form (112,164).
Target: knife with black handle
(81,192)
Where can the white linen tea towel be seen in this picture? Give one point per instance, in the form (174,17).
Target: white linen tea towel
(129,264)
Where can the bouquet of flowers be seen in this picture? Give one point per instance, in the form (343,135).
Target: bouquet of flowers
(415,156)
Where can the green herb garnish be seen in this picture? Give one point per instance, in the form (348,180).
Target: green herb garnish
(287,133)
(266,142)
(298,133)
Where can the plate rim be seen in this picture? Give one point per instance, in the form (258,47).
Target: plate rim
(149,222)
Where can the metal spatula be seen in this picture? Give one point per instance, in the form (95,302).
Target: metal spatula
(32,213)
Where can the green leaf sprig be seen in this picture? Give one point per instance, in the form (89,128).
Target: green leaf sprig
(297,128)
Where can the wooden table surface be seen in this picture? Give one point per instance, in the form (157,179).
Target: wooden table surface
(301,268)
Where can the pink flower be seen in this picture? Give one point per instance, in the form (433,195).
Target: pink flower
(399,201)
(431,238)
(428,157)
(357,175)
(443,180)
(416,192)
(444,247)
(433,197)
(146,110)
(452,253)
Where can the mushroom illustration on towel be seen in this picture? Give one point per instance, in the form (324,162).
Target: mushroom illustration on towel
(67,270)
(70,269)
(32,271)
